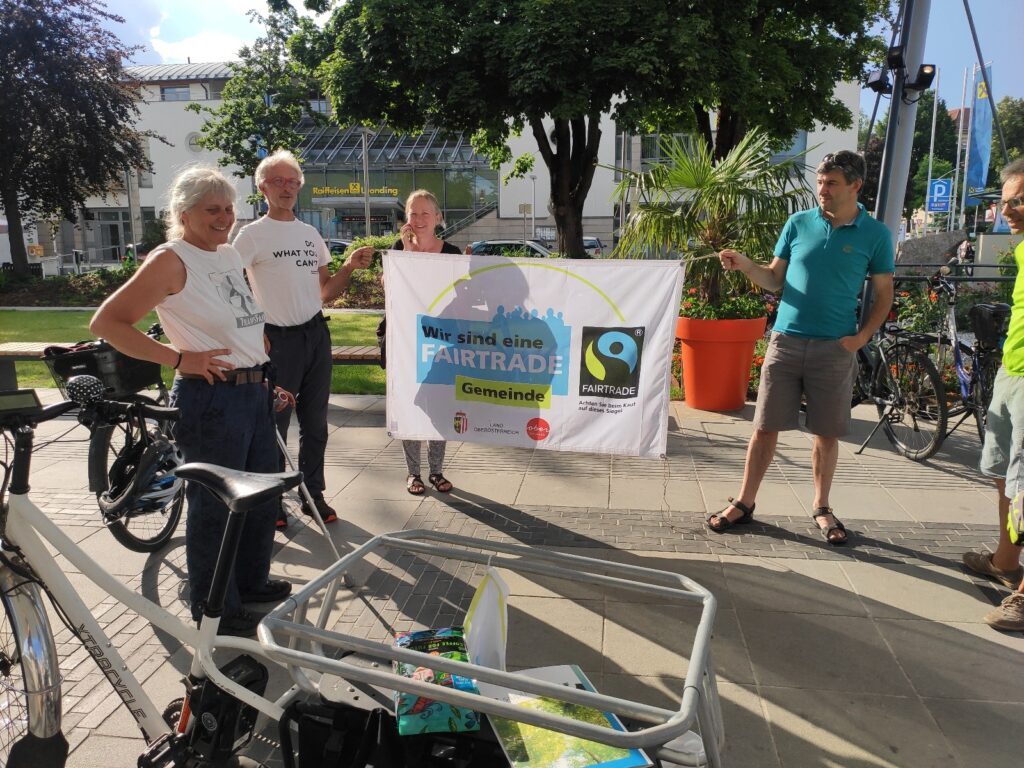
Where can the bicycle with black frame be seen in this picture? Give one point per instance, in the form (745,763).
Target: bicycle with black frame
(131,452)
(906,389)
(975,364)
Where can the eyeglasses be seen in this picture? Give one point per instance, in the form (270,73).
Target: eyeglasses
(280,183)
(850,163)
(1013,202)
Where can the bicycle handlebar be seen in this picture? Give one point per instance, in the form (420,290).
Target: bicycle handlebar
(14,421)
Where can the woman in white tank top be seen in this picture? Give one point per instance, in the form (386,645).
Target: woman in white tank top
(223,387)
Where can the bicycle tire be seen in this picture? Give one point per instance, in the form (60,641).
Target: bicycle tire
(139,532)
(30,694)
(981,390)
(909,394)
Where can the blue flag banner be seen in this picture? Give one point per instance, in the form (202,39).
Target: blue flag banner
(981,139)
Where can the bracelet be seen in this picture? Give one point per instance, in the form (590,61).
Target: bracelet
(178,361)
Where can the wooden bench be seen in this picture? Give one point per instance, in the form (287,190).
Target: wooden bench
(12,352)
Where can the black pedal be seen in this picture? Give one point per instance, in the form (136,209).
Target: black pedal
(223,724)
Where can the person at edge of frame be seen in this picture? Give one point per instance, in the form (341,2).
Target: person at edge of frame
(286,261)
(820,263)
(1001,455)
(223,387)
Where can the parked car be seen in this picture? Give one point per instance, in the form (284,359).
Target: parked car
(338,247)
(508,248)
(594,246)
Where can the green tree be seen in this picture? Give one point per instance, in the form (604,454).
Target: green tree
(945,143)
(263,101)
(69,112)
(1011,117)
(872,170)
(499,67)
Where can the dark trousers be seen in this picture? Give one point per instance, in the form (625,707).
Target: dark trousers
(302,356)
(232,426)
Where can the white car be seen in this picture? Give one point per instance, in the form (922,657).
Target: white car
(594,246)
(509,248)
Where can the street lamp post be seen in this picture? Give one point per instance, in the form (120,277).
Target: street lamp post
(366,179)
(533,206)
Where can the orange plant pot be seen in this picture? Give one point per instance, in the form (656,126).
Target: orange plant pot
(716,358)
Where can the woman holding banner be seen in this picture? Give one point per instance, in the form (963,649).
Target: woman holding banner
(419,233)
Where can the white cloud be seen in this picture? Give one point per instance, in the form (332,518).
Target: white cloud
(206,46)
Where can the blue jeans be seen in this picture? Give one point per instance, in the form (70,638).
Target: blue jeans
(232,426)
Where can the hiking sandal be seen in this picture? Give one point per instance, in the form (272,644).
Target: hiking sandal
(440,482)
(837,541)
(719,523)
(414,485)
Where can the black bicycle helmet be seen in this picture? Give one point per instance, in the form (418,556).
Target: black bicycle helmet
(142,478)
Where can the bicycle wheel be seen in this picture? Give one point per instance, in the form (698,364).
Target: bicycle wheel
(30,696)
(910,397)
(982,384)
(139,531)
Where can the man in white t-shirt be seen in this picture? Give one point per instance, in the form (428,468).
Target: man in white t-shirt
(286,262)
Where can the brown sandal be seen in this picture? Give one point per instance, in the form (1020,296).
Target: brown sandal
(414,485)
(440,482)
(722,523)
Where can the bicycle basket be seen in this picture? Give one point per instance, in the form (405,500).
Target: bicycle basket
(121,375)
(989,323)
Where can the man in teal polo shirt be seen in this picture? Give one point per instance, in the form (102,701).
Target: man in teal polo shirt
(1004,431)
(821,260)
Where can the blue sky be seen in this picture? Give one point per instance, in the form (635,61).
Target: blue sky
(171,31)
(1000,27)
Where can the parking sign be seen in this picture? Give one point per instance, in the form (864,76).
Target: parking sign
(939,191)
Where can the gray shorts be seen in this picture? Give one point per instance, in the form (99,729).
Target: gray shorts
(1004,433)
(818,369)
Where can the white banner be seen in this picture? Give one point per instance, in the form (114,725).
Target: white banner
(560,354)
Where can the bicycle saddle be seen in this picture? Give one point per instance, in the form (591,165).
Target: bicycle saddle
(241,491)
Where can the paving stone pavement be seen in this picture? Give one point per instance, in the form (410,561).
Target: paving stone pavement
(868,655)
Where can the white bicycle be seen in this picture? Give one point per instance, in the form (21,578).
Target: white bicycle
(217,715)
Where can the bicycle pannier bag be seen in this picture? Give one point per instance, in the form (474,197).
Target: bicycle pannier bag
(989,323)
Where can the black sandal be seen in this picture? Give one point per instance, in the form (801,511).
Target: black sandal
(724,523)
(414,485)
(837,526)
(440,482)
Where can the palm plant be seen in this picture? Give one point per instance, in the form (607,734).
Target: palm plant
(691,205)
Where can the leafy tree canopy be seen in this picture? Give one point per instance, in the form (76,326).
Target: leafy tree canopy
(1011,117)
(554,67)
(263,101)
(69,112)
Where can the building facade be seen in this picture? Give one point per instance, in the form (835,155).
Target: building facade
(340,188)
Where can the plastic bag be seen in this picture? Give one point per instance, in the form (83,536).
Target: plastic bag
(487,622)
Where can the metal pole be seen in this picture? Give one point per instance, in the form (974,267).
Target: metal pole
(131,219)
(954,209)
(967,152)
(533,206)
(900,134)
(988,85)
(366,180)
(931,148)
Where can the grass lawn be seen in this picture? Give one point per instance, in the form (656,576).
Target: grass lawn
(67,327)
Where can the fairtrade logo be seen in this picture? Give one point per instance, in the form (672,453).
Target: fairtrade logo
(611,362)
(461,422)
(538,429)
